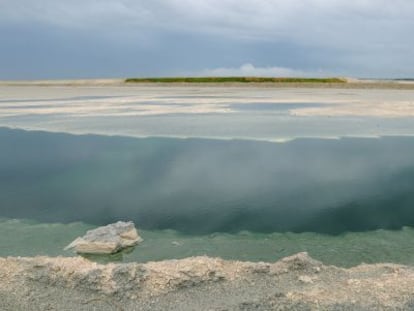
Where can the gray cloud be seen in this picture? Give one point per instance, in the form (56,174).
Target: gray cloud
(344,37)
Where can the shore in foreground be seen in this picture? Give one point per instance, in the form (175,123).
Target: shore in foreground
(201,283)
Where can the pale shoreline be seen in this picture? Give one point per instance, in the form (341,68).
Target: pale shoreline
(351,83)
(254,111)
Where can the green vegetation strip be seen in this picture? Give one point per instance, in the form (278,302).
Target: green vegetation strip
(234,79)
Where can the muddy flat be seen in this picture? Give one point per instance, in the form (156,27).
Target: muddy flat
(221,112)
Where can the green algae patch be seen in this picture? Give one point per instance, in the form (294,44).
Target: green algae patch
(234,80)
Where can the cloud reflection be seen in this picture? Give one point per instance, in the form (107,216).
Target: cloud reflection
(202,186)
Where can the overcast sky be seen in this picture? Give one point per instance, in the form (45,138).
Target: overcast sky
(124,38)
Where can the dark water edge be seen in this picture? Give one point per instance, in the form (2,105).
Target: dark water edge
(200,186)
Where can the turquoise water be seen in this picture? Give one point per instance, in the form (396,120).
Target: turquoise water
(28,238)
(344,201)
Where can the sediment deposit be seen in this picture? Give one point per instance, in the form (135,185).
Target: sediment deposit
(201,283)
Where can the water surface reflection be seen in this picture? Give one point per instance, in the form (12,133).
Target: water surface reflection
(201,186)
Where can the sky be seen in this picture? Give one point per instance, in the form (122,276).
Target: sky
(56,39)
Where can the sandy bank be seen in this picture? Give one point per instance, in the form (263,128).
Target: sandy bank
(202,283)
(350,84)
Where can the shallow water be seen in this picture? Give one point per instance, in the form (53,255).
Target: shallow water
(268,107)
(270,114)
(344,201)
(30,238)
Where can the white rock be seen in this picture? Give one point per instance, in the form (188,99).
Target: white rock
(107,239)
(305,279)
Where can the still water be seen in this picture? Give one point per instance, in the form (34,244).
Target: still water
(345,201)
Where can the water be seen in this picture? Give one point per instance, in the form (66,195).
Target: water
(30,238)
(269,107)
(270,114)
(344,201)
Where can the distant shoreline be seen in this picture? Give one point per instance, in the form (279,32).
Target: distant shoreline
(234,80)
(346,83)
